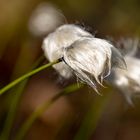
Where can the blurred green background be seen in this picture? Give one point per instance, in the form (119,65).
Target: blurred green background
(82,115)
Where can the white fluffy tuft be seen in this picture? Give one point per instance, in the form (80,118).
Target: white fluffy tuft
(88,57)
(63,37)
(44,19)
(128,81)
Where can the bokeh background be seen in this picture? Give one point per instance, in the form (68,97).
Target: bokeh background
(81,115)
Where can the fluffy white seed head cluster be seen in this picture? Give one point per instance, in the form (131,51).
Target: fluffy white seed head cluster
(88,57)
(44,19)
(128,81)
(55,43)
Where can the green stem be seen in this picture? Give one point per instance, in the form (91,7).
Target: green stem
(15,82)
(15,95)
(12,111)
(25,127)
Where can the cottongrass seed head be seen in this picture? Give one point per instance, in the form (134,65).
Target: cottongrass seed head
(128,81)
(89,58)
(44,19)
(56,42)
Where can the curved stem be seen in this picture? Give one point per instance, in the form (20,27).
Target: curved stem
(15,95)
(28,123)
(15,82)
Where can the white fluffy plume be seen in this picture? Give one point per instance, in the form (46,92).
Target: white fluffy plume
(55,43)
(88,57)
(128,81)
(44,19)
